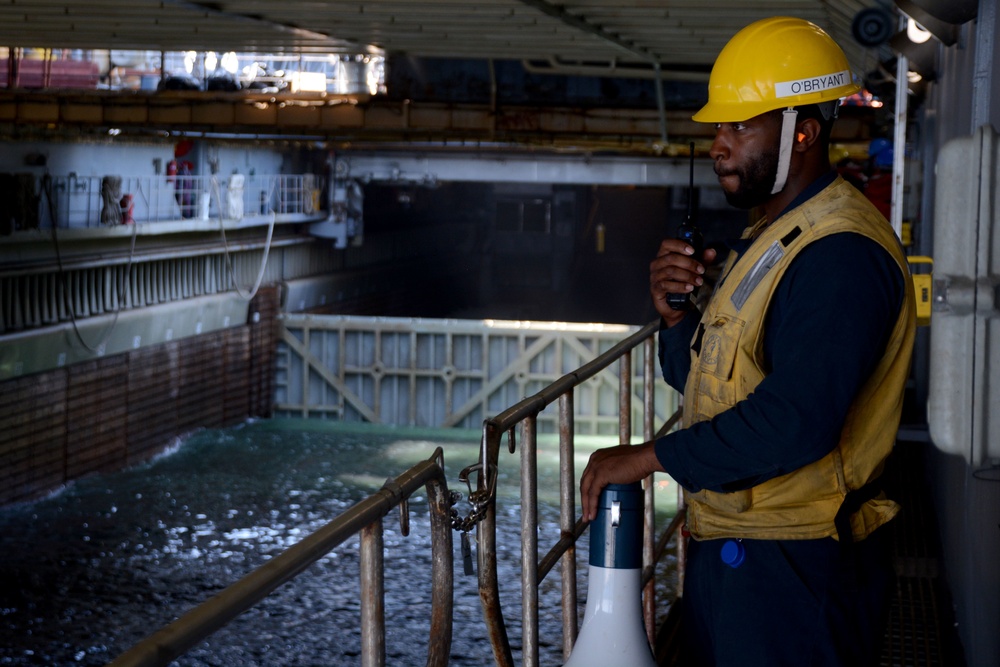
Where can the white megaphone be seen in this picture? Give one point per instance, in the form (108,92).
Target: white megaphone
(613,633)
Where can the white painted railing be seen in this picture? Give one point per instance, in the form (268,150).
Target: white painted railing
(78,202)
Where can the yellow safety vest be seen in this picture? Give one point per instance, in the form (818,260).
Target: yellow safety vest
(801,504)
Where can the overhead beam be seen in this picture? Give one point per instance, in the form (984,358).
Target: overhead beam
(679,32)
(223,11)
(591,28)
(346,118)
(494,167)
(334,118)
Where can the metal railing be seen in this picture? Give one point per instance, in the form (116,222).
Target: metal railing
(365,517)
(162,647)
(75,202)
(533,570)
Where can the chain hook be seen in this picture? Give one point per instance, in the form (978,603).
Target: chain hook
(404,505)
(479,499)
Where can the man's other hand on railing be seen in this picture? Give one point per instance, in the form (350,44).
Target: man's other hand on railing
(623,464)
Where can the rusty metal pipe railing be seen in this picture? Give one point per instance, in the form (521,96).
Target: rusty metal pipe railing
(486,539)
(529,543)
(649,558)
(661,548)
(372,573)
(533,569)
(675,524)
(532,405)
(172,641)
(567,512)
(561,549)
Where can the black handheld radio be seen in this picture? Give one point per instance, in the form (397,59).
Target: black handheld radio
(689,233)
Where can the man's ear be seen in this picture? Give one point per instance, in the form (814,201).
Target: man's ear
(806,134)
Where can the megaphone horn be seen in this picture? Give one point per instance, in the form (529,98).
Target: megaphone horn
(613,632)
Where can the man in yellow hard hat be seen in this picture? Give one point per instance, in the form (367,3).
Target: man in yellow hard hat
(793,375)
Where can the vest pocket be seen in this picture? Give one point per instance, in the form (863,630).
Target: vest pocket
(719,346)
(711,379)
(735,502)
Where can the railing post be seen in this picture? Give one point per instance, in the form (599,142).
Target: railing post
(486,538)
(443,574)
(529,543)
(372,574)
(649,512)
(567,519)
(625,398)
(681,542)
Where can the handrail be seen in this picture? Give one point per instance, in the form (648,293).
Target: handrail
(177,638)
(532,405)
(78,202)
(365,517)
(534,570)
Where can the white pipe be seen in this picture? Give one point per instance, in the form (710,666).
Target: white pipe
(899,144)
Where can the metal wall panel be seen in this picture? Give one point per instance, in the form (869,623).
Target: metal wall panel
(444,373)
(965,336)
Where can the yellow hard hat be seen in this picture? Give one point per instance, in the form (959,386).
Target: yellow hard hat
(775,63)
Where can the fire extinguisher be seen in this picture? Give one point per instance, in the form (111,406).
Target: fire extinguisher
(128,207)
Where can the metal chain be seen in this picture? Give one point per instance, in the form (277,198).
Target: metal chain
(479,499)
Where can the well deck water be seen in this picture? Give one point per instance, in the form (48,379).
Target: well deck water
(89,571)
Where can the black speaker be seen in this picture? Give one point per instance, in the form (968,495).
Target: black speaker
(872,26)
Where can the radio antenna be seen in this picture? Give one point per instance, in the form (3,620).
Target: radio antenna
(691,184)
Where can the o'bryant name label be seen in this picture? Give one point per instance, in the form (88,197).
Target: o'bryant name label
(815,84)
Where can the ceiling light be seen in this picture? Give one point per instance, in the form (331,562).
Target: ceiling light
(916,32)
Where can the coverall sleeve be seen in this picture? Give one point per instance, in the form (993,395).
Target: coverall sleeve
(827,327)
(675,350)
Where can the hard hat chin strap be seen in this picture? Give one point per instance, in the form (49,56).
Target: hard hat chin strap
(788,119)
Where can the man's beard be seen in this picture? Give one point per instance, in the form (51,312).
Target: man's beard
(756,181)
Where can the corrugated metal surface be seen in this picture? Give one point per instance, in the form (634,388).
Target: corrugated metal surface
(671,32)
(32,301)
